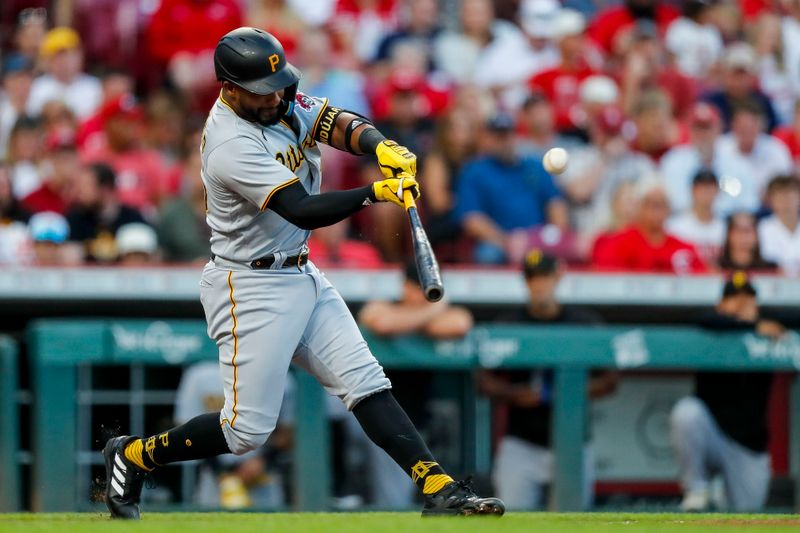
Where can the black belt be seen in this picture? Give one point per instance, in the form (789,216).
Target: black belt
(292,260)
(266,262)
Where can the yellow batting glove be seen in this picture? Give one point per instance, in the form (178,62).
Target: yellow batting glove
(391,190)
(394,159)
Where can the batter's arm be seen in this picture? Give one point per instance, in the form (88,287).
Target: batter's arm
(349,131)
(312,211)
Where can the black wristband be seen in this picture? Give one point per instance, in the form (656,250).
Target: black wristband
(348,133)
(369,140)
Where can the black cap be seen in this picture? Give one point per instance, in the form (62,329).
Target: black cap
(738,283)
(705,175)
(501,121)
(538,263)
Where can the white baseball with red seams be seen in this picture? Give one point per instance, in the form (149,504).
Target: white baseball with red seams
(555,160)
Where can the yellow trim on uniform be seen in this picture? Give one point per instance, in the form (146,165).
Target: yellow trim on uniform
(276,189)
(435,483)
(319,117)
(287,125)
(235,348)
(226,104)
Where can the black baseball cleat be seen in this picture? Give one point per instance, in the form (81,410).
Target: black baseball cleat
(458,498)
(124,480)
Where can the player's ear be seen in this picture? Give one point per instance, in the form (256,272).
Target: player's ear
(229,87)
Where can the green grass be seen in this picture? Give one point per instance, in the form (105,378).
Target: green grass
(396,522)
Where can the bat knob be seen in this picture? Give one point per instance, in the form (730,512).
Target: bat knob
(434,294)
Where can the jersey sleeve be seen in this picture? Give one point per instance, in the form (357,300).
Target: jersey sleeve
(316,114)
(245,167)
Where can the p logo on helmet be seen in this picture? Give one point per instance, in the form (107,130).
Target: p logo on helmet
(274,59)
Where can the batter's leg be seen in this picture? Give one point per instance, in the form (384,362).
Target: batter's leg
(257,320)
(334,351)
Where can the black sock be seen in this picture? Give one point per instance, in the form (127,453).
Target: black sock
(199,438)
(385,422)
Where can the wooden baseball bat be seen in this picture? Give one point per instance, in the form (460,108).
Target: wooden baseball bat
(430,278)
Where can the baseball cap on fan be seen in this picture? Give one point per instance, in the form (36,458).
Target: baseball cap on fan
(124,106)
(59,39)
(48,226)
(741,56)
(536,17)
(568,22)
(136,238)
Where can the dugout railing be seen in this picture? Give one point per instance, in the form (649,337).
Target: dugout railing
(10,461)
(62,354)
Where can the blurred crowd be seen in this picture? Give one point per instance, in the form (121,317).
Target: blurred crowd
(681,119)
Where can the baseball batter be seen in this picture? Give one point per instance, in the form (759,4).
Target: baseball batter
(266,304)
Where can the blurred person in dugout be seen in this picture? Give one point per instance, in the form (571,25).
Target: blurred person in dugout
(410,314)
(722,429)
(505,201)
(232,481)
(523,461)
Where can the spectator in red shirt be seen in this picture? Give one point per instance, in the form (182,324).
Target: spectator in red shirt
(142,175)
(182,36)
(561,84)
(611,25)
(645,246)
(63,166)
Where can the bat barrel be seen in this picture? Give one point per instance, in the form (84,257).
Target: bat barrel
(430,278)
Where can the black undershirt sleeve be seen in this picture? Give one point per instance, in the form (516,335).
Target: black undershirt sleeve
(312,211)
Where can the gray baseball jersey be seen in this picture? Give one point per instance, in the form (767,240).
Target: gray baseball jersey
(264,320)
(244,164)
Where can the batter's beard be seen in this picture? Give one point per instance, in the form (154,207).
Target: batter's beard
(254,116)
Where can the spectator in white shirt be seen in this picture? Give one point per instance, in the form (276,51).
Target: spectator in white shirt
(536,18)
(748,159)
(694,40)
(64,78)
(699,225)
(481,50)
(681,163)
(780,232)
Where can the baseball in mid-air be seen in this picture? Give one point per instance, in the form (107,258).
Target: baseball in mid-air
(555,160)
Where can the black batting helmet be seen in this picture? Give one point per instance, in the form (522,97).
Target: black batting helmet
(254,60)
